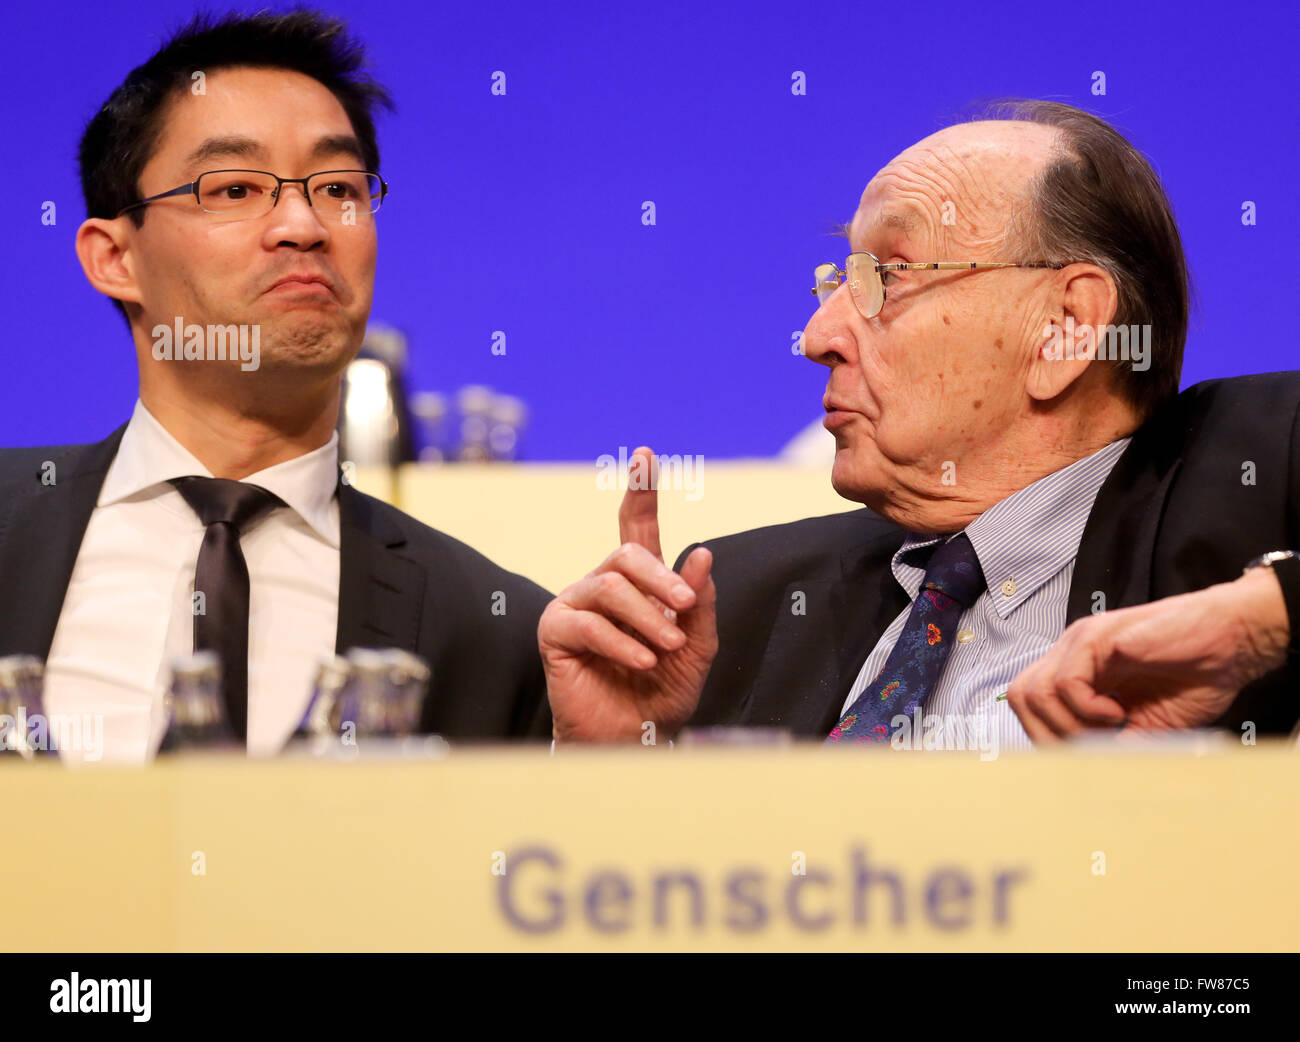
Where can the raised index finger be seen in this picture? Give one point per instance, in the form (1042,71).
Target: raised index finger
(638,516)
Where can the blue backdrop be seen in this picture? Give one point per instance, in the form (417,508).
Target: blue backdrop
(522,213)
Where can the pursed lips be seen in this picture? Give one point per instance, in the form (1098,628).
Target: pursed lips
(839,413)
(836,415)
(303,279)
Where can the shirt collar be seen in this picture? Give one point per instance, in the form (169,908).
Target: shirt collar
(1025,539)
(149,455)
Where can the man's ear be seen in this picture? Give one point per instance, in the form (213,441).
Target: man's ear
(103,247)
(1083,301)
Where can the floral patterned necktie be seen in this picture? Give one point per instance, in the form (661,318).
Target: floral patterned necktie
(953,580)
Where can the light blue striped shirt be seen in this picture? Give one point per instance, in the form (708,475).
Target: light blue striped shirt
(1026,545)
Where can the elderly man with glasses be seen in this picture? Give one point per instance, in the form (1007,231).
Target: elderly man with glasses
(232,183)
(1054,538)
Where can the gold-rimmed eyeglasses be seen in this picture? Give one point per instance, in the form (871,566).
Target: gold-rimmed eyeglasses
(863,272)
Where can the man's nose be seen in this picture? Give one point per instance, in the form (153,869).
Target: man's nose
(829,337)
(295,220)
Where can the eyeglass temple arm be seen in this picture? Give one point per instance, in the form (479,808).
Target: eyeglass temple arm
(951,266)
(182,190)
(962,265)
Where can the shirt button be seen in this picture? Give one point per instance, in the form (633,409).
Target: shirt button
(965,636)
(1009,588)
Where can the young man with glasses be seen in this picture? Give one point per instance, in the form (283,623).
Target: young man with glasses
(232,181)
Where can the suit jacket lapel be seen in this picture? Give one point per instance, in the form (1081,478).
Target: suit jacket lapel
(1118,544)
(867,600)
(799,670)
(40,533)
(811,660)
(381,592)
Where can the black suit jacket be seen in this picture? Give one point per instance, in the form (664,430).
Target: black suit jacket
(402,584)
(1174,515)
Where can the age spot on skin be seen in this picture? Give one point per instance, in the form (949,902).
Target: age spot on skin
(947,321)
(997,342)
(977,403)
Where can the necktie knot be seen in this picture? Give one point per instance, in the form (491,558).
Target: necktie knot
(954,570)
(236,503)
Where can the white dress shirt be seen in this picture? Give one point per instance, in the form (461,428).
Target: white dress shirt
(128,614)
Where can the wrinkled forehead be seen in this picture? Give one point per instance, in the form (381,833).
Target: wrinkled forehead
(886,221)
(901,205)
(961,185)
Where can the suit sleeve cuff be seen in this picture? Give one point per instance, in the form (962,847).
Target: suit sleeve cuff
(1288,576)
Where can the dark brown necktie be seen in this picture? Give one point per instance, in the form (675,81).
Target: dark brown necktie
(225,507)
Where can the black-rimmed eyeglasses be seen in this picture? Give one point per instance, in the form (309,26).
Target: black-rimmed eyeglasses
(240,195)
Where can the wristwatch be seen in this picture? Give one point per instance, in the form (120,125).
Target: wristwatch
(1286,566)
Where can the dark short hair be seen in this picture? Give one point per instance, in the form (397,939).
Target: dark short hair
(122,136)
(1101,202)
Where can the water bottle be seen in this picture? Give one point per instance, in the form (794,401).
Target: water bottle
(21,681)
(195,707)
(408,681)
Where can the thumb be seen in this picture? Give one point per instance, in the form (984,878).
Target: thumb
(701,618)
